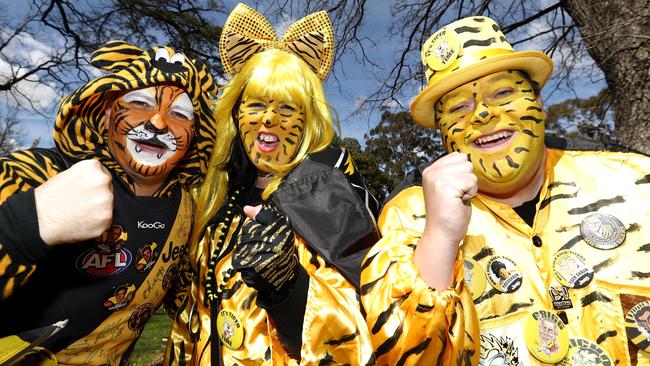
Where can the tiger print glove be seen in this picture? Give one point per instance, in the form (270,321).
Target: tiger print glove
(265,254)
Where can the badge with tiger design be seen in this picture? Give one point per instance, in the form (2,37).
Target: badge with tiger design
(637,325)
(602,231)
(230,329)
(441,49)
(571,270)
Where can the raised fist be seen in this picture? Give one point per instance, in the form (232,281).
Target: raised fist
(265,254)
(448,185)
(76,204)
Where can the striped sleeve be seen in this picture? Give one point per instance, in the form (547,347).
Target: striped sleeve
(410,323)
(20,244)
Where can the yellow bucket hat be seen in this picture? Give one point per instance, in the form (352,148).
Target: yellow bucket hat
(465,50)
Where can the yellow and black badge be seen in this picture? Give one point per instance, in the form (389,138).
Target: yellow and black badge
(546,336)
(560,297)
(571,270)
(602,231)
(231,330)
(441,49)
(503,274)
(637,325)
(121,297)
(474,277)
(583,352)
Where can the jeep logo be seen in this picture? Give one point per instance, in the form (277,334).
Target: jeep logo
(174,252)
(153,225)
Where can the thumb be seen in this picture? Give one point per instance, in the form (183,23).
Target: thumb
(251,211)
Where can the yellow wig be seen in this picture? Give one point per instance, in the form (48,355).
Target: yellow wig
(274,74)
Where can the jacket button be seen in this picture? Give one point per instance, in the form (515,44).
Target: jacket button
(537,241)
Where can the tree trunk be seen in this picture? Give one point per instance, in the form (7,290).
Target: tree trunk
(617,36)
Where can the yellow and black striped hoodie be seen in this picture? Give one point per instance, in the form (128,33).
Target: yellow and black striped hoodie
(85,282)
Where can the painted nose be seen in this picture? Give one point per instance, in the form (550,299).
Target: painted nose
(157,125)
(269,117)
(482,114)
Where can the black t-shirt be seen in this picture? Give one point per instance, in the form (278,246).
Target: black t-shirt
(86,282)
(527,210)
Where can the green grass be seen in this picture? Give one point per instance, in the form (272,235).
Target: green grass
(151,345)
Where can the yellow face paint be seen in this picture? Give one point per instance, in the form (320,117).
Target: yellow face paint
(270,129)
(499,123)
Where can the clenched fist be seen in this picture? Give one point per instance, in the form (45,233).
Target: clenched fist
(76,204)
(265,254)
(448,185)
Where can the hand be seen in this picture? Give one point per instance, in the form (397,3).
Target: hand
(448,185)
(265,254)
(76,204)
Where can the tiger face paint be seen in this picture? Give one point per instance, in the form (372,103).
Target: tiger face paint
(150,130)
(498,121)
(270,129)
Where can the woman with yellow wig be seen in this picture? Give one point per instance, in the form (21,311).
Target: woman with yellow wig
(283,219)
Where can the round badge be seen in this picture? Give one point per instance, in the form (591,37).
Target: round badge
(571,270)
(146,257)
(474,277)
(503,274)
(637,325)
(230,329)
(121,297)
(583,352)
(602,231)
(546,336)
(441,49)
(112,240)
(140,317)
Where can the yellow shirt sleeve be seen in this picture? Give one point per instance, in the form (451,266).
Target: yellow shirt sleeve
(409,322)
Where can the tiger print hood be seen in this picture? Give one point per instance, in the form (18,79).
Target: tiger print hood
(79,126)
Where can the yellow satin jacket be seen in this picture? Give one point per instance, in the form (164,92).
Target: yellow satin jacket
(412,324)
(333,326)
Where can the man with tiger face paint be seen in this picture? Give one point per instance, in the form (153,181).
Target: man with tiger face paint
(93,230)
(149,132)
(497,120)
(520,212)
(283,221)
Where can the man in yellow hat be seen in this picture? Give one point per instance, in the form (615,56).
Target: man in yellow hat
(73,218)
(504,201)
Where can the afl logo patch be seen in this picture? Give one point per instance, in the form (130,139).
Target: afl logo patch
(98,263)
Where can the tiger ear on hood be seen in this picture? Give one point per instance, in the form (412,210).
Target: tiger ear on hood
(208,84)
(115,55)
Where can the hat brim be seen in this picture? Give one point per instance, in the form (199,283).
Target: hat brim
(536,64)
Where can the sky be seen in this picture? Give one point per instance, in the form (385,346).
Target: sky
(355,81)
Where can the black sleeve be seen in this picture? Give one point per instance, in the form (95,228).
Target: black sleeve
(21,245)
(19,233)
(331,209)
(341,159)
(288,311)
